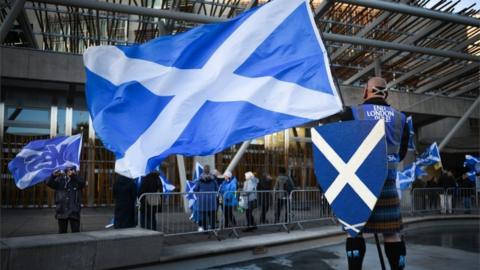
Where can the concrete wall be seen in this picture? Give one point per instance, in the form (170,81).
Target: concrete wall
(88,250)
(59,67)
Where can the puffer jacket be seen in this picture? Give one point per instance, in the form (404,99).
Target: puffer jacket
(68,195)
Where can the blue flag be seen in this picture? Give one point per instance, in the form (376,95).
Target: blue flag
(40,158)
(197,172)
(431,156)
(201,91)
(406,177)
(166,184)
(472,163)
(472,176)
(411,142)
(350,161)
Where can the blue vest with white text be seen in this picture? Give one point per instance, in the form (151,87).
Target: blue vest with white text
(394,123)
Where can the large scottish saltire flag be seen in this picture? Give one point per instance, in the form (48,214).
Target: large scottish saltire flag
(350,161)
(40,158)
(201,91)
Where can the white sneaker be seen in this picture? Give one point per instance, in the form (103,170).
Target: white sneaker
(200,229)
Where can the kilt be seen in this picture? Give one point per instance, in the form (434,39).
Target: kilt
(386,217)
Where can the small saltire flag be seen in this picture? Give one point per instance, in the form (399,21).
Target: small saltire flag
(263,71)
(406,177)
(191,197)
(197,172)
(166,184)
(472,163)
(431,156)
(411,136)
(350,161)
(40,158)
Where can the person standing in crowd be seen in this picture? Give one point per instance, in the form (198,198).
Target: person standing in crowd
(264,196)
(432,197)
(250,193)
(283,186)
(149,206)
(125,197)
(466,191)
(446,181)
(228,189)
(68,198)
(207,200)
(385,218)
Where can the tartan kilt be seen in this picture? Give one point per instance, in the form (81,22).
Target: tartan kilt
(386,217)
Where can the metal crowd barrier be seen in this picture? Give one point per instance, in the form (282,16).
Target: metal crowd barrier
(427,200)
(246,211)
(254,209)
(308,206)
(462,200)
(165,212)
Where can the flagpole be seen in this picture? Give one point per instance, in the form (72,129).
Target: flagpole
(183,181)
(380,254)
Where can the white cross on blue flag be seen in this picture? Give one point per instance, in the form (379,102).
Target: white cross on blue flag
(198,92)
(350,161)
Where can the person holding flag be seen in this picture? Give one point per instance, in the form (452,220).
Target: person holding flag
(56,160)
(68,198)
(385,217)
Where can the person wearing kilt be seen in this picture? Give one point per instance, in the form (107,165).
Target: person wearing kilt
(385,218)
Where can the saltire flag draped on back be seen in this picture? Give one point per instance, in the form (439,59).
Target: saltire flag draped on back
(198,92)
(40,158)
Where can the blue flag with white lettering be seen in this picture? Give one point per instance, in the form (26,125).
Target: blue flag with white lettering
(350,161)
(198,92)
(40,158)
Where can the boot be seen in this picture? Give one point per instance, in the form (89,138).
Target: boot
(396,253)
(355,252)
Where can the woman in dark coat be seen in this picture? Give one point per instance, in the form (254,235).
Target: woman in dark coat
(149,207)
(68,198)
(125,195)
(207,202)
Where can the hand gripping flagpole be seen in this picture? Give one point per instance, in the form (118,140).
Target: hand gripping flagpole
(380,254)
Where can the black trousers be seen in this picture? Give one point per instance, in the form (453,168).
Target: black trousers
(208,219)
(63,225)
(278,210)
(229,218)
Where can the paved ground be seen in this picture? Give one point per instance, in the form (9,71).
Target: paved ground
(443,248)
(28,221)
(439,248)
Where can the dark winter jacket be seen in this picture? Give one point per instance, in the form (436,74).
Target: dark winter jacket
(150,184)
(207,201)
(68,195)
(125,195)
